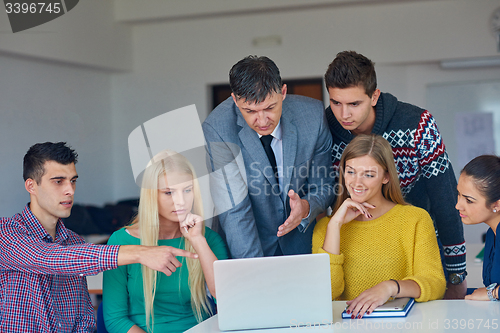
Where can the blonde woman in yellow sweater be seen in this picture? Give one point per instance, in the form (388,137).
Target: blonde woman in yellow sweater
(379,246)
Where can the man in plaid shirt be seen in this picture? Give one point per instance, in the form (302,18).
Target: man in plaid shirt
(43,265)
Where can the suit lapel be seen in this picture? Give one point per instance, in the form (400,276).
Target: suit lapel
(289,135)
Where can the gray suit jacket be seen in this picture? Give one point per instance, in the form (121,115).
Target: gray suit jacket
(242,184)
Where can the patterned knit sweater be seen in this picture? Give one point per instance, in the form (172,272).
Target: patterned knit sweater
(425,172)
(399,245)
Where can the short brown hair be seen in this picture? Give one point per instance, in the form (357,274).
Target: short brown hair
(254,79)
(351,69)
(38,154)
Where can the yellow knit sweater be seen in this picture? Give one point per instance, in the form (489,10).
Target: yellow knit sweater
(400,245)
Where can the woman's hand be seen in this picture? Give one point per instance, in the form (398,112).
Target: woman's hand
(192,230)
(480,294)
(371,298)
(192,227)
(349,210)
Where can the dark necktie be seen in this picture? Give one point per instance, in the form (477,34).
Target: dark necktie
(266,142)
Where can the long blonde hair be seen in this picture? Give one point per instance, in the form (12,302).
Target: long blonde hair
(149,226)
(380,150)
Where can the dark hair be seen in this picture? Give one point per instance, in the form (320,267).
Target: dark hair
(40,153)
(351,69)
(485,171)
(255,78)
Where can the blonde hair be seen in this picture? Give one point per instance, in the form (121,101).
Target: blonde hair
(148,220)
(380,150)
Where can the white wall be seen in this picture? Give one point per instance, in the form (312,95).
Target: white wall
(41,102)
(55,85)
(449,98)
(86,35)
(176,61)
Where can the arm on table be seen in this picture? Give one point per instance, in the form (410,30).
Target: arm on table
(427,281)
(371,298)
(480,294)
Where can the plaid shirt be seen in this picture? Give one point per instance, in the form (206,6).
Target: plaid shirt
(42,281)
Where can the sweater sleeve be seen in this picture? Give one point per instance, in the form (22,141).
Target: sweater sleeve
(427,268)
(115,296)
(441,189)
(336,261)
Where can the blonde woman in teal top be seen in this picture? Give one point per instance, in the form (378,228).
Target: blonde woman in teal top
(138,299)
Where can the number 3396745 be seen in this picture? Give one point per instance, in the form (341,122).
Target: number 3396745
(32,8)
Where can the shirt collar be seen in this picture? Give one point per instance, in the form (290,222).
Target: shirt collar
(35,227)
(276,133)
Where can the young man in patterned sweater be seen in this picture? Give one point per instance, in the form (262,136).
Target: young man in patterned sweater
(425,172)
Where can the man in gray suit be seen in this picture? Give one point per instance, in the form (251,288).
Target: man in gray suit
(270,161)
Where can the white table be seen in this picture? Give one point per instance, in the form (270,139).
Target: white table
(474,280)
(434,316)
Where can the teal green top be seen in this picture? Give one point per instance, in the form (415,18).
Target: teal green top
(123,298)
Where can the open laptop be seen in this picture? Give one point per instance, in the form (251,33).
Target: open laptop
(269,292)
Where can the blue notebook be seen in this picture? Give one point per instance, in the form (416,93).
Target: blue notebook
(395,308)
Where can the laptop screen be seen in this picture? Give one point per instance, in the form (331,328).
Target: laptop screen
(269,292)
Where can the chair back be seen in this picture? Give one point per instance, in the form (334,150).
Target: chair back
(101,328)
